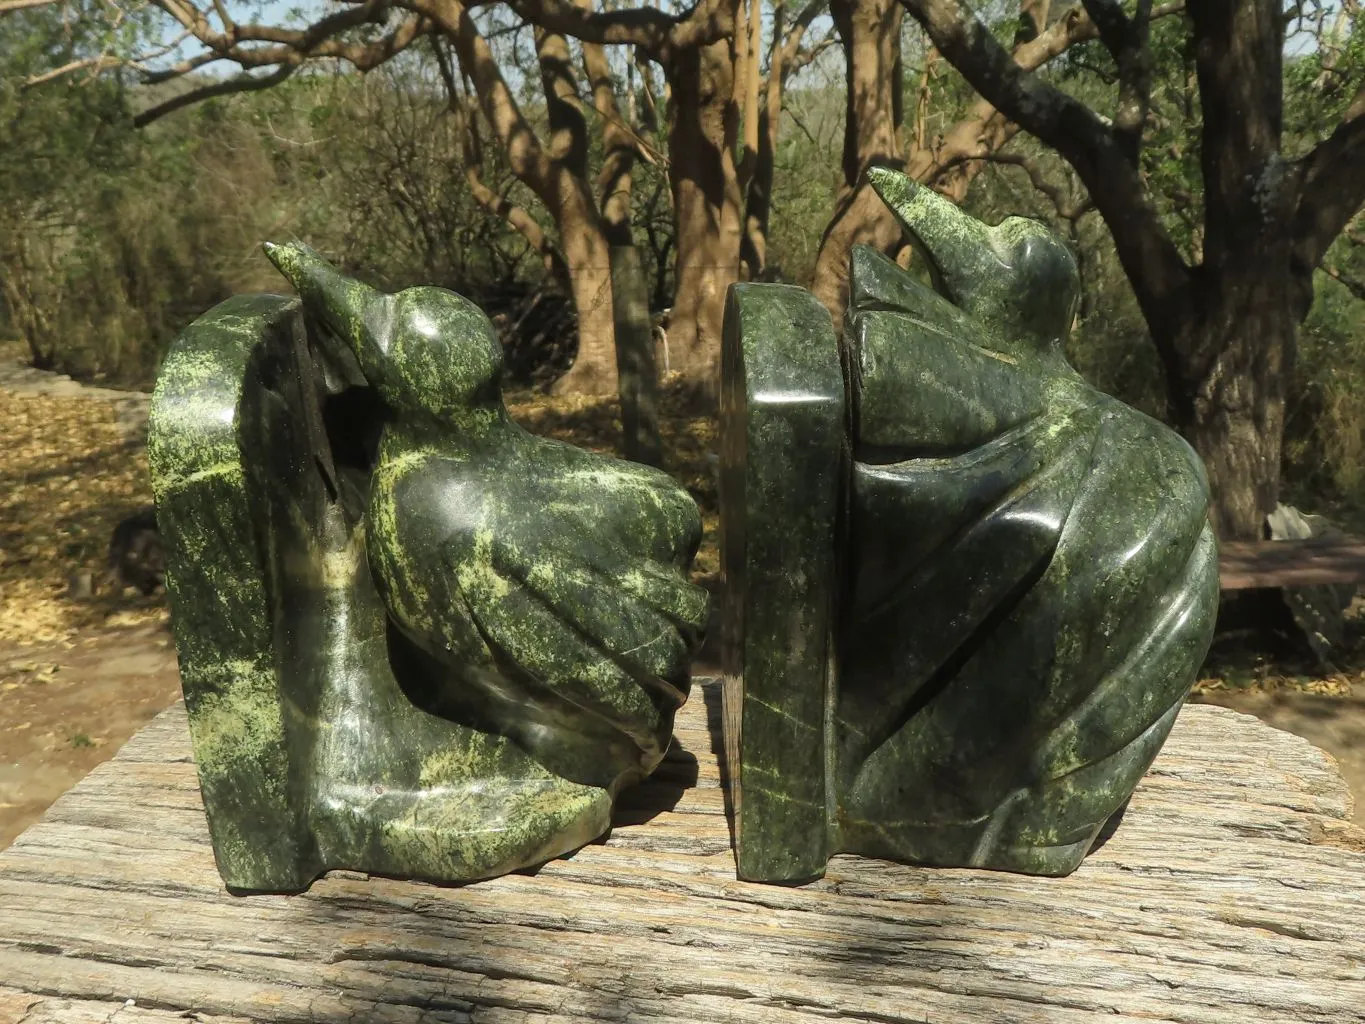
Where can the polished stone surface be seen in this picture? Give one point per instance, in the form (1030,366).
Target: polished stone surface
(414,639)
(1027,577)
(782,420)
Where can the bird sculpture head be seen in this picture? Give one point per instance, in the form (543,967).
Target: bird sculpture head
(428,352)
(1017,279)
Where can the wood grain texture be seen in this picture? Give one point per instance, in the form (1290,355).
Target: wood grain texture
(1233,891)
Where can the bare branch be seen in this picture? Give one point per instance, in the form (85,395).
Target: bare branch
(283,58)
(651,29)
(528,159)
(223,17)
(1067,207)
(620,147)
(245,82)
(652,119)
(8,6)
(808,55)
(94,65)
(184,67)
(787,55)
(461,107)
(949,162)
(317,40)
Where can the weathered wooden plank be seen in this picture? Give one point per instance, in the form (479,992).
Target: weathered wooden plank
(31,1009)
(1245,565)
(1234,890)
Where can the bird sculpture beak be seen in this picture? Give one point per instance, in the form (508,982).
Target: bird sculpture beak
(348,308)
(959,248)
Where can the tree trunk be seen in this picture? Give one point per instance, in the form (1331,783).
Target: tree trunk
(589,261)
(708,203)
(1225,328)
(637,375)
(947,162)
(758,202)
(26,316)
(578,222)
(870,35)
(1233,412)
(767,121)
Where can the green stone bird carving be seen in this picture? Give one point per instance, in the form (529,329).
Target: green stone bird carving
(1032,557)
(547,583)
(414,639)
(1025,576)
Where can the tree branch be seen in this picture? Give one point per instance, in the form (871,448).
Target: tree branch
(8,6)
(620,146)
(284,58)
(518,218)
(1151,260)
(317,40)
(786,50)
(1330,186)
(1127,41)
(1067,208)
(787,55)
(95,65)
(950,162)
(199,60)
(525,153)
(245,82)
(808,55)
(104,62)
(646,27)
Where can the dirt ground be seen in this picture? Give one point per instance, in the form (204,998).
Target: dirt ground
(63,710)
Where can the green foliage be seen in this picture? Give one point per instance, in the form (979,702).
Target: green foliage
(1324,451)
(1320,84)
(805,174)
(113,239)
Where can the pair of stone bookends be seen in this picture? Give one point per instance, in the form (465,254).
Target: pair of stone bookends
(965,593)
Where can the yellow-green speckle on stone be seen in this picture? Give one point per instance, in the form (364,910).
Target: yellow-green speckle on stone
(1022,577)
(414,639)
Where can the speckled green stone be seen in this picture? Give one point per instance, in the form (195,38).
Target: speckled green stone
(782,420)
(414,639)
(1027,577)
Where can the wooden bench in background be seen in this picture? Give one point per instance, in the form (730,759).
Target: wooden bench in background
(1291,563)
(1233,891)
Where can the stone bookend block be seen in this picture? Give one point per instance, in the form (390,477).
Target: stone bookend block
(782,428)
